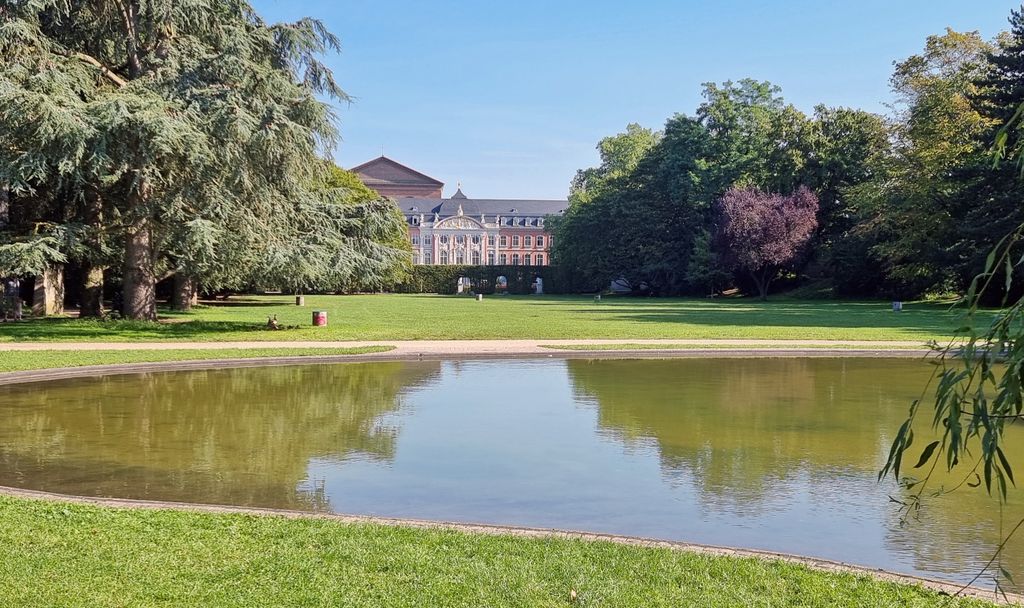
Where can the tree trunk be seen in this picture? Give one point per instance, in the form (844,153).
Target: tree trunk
(48,295)
(90,294)
(762,281)
(139,278)
(185,295)
(5,205)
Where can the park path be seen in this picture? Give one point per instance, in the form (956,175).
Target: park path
(412,348)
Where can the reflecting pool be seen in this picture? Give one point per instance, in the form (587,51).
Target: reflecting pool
(778,454)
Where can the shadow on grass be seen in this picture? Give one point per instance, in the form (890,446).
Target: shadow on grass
(246,303)
(59,329)
(923,318)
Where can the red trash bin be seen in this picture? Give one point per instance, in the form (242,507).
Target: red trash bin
(319,318)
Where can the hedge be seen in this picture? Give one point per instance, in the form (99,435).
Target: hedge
(484,279)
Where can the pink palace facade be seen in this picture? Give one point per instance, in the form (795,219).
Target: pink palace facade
(463,230)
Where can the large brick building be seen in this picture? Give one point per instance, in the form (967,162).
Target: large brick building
(463,230)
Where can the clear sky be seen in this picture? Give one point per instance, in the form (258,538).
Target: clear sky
(510,98)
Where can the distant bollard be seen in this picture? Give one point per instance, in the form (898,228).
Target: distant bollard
(300,301)
(479,297)
(597,298)
(897,306)
(319,318)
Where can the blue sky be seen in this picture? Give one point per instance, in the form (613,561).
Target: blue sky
(510,98)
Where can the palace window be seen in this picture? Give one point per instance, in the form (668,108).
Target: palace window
(528,241)
(515,240)
(503,259)
(443,258)
(540,260)
(428,257)
(504,241)
(515,259)
(476,258)
(490,241)
(540,242)
(476,239)
(443,238)
(526,260)
(460,239)
(415,240)
(460,257)
(490,258)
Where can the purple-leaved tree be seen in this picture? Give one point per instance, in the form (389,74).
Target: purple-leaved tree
(761,233)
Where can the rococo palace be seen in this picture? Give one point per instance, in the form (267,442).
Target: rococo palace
(463,230)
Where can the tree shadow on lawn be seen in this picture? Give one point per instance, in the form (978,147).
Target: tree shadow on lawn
(245,303)
(64,329)
(924,319)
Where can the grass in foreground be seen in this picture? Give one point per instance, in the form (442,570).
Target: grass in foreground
(12,361)
(421,317)
(54,554)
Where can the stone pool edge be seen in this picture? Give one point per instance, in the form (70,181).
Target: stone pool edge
(818,564)
(59,373)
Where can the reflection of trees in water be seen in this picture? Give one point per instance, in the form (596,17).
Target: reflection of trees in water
(242,436)
(960,519)
(737,426)
(739,429)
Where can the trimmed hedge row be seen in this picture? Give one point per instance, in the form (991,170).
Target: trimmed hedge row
(484,279)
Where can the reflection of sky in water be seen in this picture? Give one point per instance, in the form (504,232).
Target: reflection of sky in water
(769,454)
(509,450)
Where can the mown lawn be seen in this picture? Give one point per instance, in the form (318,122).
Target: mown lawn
(44,359)
(417,317)
(55,554)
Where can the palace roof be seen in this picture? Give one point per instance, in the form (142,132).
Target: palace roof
(475,207)
(384,171)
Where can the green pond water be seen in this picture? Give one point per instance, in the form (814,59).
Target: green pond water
(778,454)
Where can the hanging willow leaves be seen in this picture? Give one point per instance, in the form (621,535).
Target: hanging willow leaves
(926,454)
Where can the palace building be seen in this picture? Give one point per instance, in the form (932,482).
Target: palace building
(463,230)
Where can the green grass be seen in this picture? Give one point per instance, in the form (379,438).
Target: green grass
(416,317)
(663,346)
(43,359)
(55,554)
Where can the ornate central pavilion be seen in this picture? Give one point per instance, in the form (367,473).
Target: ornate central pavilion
(463,230)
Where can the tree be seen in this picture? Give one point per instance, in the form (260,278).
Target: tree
(760,233)
(641,216)
(199,127)
(620,154)
(847,147)
(756,139)
(912,210)
(639,225)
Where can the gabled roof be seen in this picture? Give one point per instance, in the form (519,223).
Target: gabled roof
(383,170)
